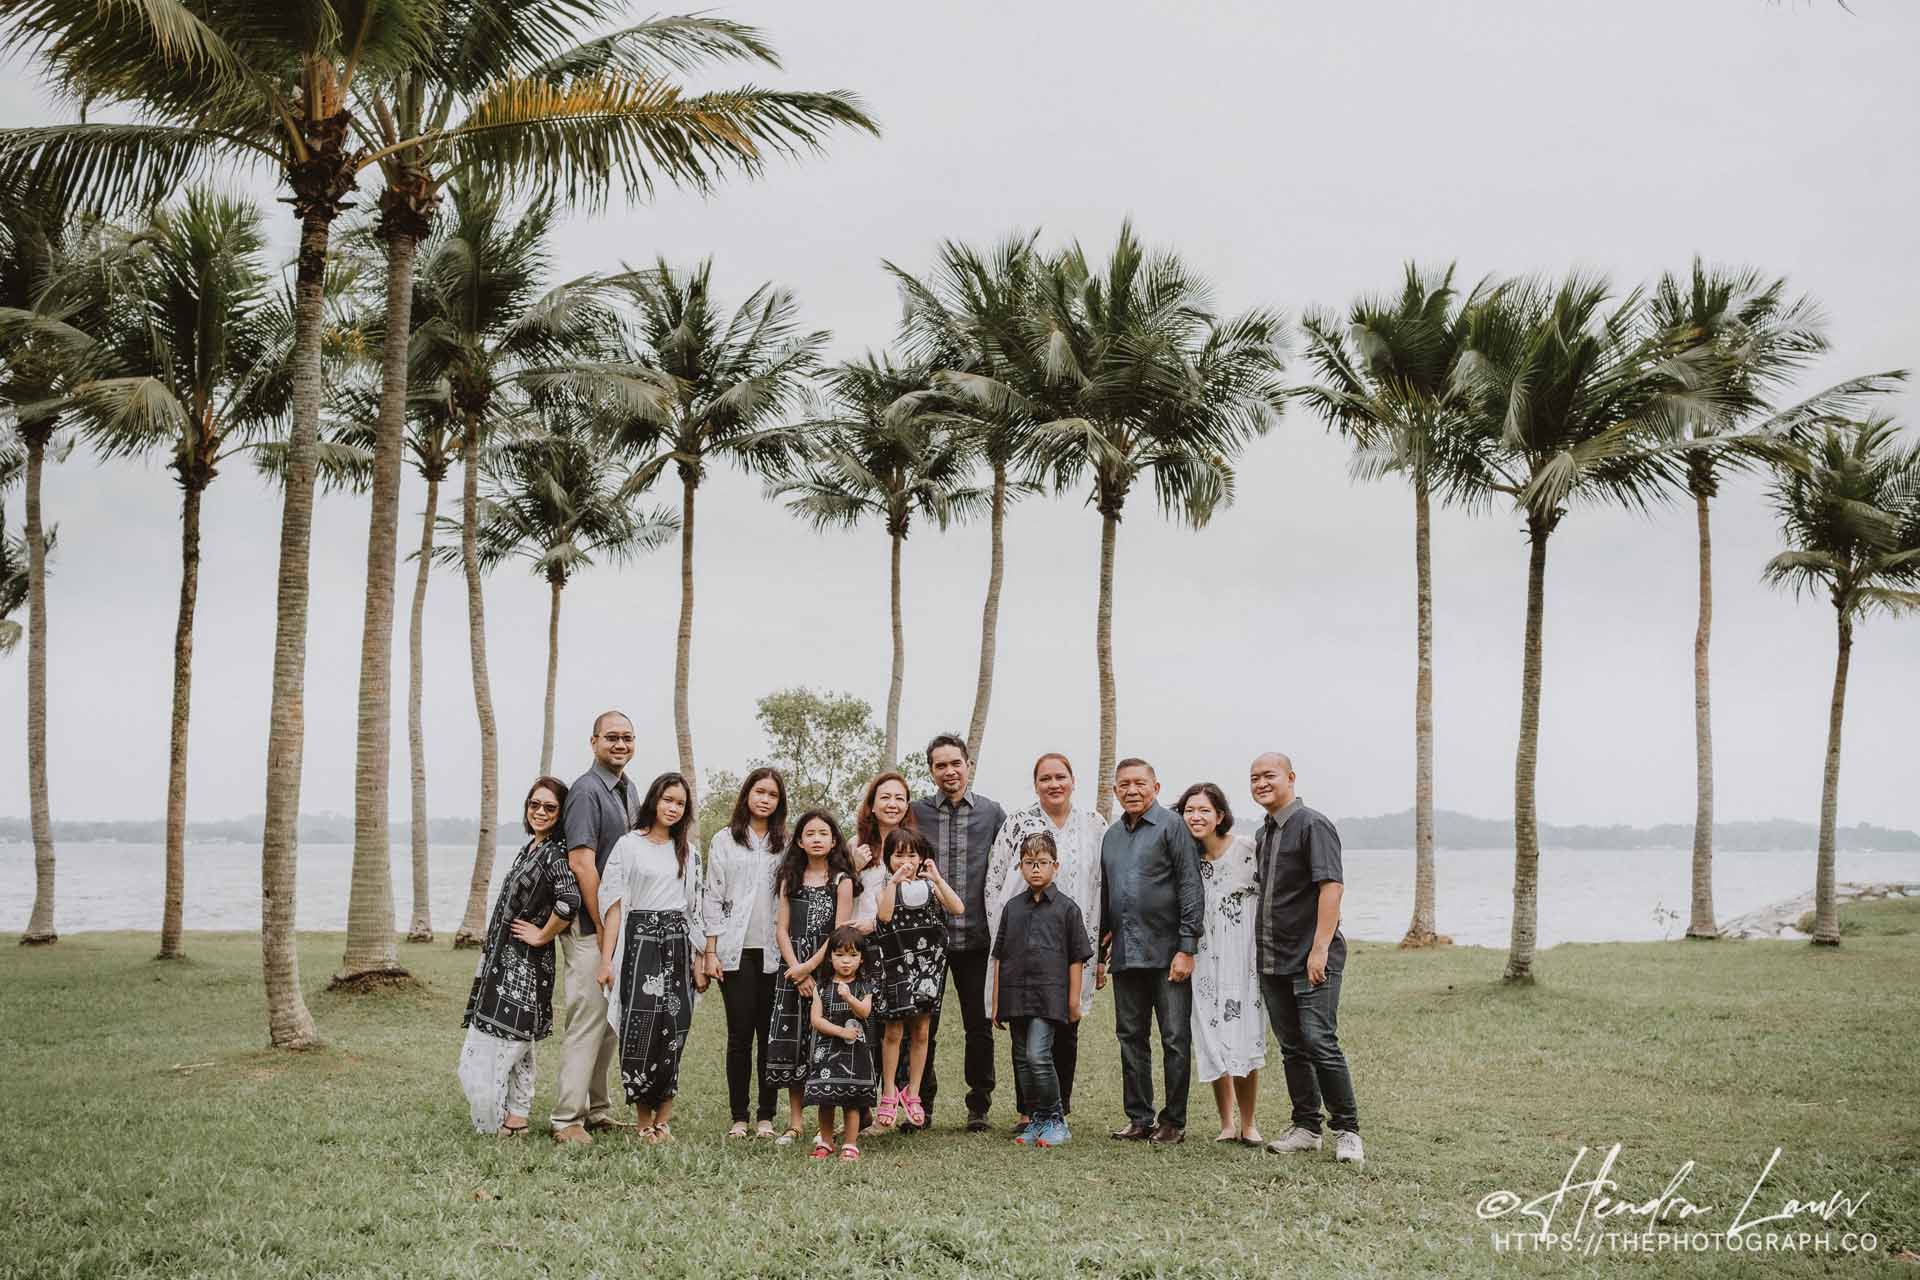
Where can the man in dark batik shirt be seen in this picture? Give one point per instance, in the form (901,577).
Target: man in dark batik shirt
(1301,956)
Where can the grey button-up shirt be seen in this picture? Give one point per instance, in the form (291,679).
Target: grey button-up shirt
(962,832)
(1152,900)
(594,818)
(1297,850)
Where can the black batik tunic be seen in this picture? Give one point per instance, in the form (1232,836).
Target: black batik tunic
(841,1073)
(913,961)
(512,995)
(810,912)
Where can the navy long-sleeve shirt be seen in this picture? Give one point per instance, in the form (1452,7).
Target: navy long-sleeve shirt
(1152,899)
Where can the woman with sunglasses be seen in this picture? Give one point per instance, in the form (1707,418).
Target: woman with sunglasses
(511,1004)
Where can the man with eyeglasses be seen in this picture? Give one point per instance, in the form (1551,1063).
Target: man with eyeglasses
(600,808)
(1152,913)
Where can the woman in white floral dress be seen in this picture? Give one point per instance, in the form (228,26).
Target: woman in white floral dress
(1229,1018)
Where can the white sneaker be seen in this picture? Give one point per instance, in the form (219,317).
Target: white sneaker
(1296,1139)
(1347,1148)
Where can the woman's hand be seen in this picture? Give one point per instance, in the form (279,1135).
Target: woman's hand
(715,970)
(805,987)
(862,857)
(699,976)
(528,932)
(605,979)
(796,974)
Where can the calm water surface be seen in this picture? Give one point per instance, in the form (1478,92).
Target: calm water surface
(1585,896)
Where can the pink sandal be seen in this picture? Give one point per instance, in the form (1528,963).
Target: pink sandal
(849,1153)
(883,1115)
(822,1148)
(916,1112)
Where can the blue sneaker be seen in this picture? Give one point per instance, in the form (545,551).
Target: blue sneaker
(1050,1132)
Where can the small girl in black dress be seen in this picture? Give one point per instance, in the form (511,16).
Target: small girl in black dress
(910,935)
(841,1073)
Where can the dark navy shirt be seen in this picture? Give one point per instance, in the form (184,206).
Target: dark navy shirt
(1039,939)
(1154,902)
(1297,850)
(962,834)
(595,817)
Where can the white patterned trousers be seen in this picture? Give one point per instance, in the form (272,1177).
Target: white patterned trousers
(497,1077)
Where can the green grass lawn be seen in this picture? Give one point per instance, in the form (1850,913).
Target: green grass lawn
(152,1134)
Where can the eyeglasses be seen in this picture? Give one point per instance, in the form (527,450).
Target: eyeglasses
(542,806)
(618,739)
(1036,862)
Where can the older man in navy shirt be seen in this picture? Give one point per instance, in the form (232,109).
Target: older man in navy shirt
(1153,909)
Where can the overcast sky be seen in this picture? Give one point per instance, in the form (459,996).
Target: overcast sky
(1297,154)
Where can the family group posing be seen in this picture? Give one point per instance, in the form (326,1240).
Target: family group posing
(832,951)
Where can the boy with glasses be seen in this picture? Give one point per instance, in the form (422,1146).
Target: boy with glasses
(1040,953)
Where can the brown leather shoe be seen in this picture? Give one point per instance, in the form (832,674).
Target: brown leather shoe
(1165,1135)
(1134,1132)
(605,1124)
(573,1134)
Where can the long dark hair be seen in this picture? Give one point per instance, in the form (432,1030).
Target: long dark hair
(866,825)
(650,814)
(559,790)
(776,821)
(793,866)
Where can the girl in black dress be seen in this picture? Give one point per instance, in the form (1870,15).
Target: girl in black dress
(841,1071)
(910,934)
(813,894)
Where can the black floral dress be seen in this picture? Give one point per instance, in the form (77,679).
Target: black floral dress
(841,1072)
(810,912)
(512,993)
(913,960)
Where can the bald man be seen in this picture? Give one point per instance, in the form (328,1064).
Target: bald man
(1301,956)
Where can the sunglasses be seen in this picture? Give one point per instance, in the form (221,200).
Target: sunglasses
(542,806)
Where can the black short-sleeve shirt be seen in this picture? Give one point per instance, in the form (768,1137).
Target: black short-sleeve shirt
(1298,850)
(1038,941)
(594,818)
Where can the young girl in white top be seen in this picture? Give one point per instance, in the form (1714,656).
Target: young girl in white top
(650,896)
(737,912)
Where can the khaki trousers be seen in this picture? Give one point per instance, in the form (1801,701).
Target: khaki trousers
(587,1042)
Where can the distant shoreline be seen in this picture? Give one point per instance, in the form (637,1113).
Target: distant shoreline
(1392,831)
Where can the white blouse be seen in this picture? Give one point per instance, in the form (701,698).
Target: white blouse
(866,906)
(737,906)
(644,876)
(1078,876)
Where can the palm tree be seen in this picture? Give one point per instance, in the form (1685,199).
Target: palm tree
(433,443)
(1849,506)
(1758,339)
(486,329)
(46,348)
(558,500)
(1566,397)
(966,320)
(878,457)
(199,339)
(1389,383)
(213,83)
(729,380)
(1127,375)
(512,94)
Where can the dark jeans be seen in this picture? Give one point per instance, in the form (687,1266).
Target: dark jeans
(748,995)
(1306,1022)
(968,970)
(1066,1060)
(1140,996)
(1034,1076)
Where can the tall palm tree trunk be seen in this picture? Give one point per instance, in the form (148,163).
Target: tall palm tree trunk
(176,891)
(1826,913)
(898,678)
(1103,660)
(473,922)
(420,927)
(371,950)
(1422,932)
(40,924)
(1700,923)
(553,673)
(1526,827)
(289,1024)
(683,644)
(989,613)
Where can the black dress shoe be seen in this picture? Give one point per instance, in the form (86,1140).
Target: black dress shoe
(977,1122)
(1165,1135)
(1134,1132)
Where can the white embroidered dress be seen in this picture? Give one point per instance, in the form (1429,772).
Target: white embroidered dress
(1229,1018)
